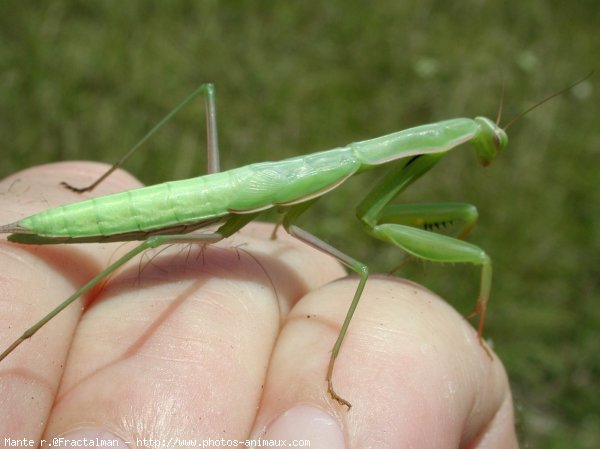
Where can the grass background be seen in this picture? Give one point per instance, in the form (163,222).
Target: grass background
(85,80)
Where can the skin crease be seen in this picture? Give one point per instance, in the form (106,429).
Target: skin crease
(219,342)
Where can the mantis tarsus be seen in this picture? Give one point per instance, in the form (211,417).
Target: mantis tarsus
(167,213)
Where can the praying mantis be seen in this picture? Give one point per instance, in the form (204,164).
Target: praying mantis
(167,213)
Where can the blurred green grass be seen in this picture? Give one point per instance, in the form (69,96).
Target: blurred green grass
(85,80)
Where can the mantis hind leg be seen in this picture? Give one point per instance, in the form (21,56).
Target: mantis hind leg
(152,242)
(211,136)
(232,225)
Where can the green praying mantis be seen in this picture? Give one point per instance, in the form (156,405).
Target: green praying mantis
(167,213)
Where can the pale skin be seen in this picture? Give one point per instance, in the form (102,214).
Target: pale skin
(203,344)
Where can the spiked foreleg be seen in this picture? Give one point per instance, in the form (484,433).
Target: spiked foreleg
(406,226)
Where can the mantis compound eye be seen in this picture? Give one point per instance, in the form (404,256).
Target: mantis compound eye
(500,139)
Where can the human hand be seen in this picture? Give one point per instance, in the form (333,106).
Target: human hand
(197,343)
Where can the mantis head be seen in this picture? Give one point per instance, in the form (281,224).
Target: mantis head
(489,140)
(490,137)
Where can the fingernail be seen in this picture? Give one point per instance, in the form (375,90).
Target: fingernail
(86,438)
(308,424)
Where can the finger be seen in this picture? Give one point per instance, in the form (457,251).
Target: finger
(34,279)
(410,365)
(177,345)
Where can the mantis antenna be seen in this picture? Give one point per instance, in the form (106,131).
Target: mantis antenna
(541,102)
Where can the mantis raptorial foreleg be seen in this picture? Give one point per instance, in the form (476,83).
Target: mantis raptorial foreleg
(399,225)
(213,158)
(440,248)
(432,215)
